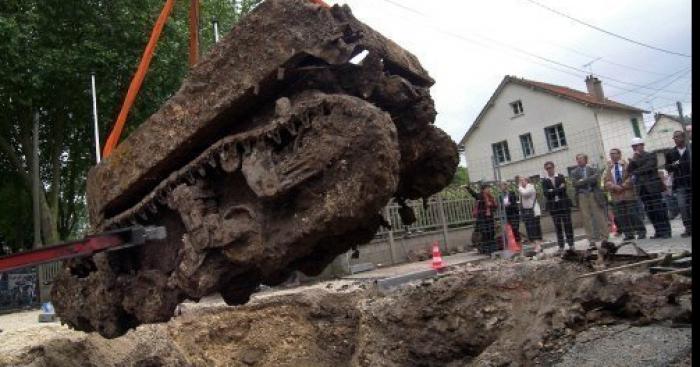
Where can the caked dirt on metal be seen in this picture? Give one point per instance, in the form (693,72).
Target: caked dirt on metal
(277,154)
(516,314)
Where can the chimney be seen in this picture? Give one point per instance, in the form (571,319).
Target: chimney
(595,88)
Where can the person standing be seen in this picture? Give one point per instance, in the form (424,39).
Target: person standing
(511,204)
(558,205)
(679,167)
(643,170)
(591,201)
(669,199)
(618,183)
(484,212)
(528,202)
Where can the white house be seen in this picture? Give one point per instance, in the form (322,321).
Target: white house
(660,135)
(526,123)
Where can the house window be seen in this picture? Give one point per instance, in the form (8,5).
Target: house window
(517,107)
(635,127)
(500,151)
(526,143)
(555,136)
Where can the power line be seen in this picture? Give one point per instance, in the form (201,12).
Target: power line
(605,31)
(525,52)
(683,71)
(669,83)
(603,59)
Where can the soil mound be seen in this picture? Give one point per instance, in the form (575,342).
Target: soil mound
(505,313)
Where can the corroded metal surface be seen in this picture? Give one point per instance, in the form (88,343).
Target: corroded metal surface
(248,67)
(276,155)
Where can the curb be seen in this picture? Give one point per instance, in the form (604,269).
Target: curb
(549,244)
(391,282)
(386,283)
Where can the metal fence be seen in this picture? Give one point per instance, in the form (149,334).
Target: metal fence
(27,287)
(456,205)
(18,289)
(456,211)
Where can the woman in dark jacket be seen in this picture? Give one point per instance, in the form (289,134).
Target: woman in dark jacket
(484,211)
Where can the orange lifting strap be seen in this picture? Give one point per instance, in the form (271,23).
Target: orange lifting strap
(136,82)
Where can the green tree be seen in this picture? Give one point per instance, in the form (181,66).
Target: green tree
(49,49)
(460,178)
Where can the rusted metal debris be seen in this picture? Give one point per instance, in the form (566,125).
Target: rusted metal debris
(276,154)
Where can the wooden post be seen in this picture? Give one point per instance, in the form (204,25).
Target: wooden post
(387,213)
(684,125)
(443,220)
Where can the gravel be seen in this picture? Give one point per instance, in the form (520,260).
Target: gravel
(624,345)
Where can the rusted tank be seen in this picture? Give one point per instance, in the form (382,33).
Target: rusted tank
(277,154)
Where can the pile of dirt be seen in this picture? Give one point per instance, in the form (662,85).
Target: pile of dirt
(495,315)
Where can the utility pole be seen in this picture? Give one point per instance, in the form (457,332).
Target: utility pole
(683,123)
(215,24)
(94,115)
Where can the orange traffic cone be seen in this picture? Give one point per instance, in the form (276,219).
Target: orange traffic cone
(513,245)
(437,257)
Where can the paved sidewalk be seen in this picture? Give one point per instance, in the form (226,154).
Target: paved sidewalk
(673,244)
(407,268)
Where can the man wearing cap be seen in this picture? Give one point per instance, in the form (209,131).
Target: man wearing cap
(678,165)
(644,172)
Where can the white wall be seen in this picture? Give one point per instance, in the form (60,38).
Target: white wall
(661,136)
(617,131)
(540,110)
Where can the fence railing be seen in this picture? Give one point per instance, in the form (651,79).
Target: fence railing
(457,211)
(18,289)
(457,206)
(26,287)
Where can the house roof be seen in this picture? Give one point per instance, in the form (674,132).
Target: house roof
(658,116)
(557,90)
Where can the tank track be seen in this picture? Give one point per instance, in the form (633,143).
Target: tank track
(250,209)
(305,183)
(216,246)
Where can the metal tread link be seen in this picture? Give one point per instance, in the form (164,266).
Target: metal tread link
(226,154)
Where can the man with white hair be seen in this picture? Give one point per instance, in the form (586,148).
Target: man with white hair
(644,171)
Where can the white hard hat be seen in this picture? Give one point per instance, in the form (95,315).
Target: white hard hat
(636,141)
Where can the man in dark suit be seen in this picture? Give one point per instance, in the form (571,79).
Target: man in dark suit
(678,165)
(558,204)
(644,171)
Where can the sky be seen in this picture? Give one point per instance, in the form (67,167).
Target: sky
(469,46)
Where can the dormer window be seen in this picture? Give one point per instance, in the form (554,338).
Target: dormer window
(517,107)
